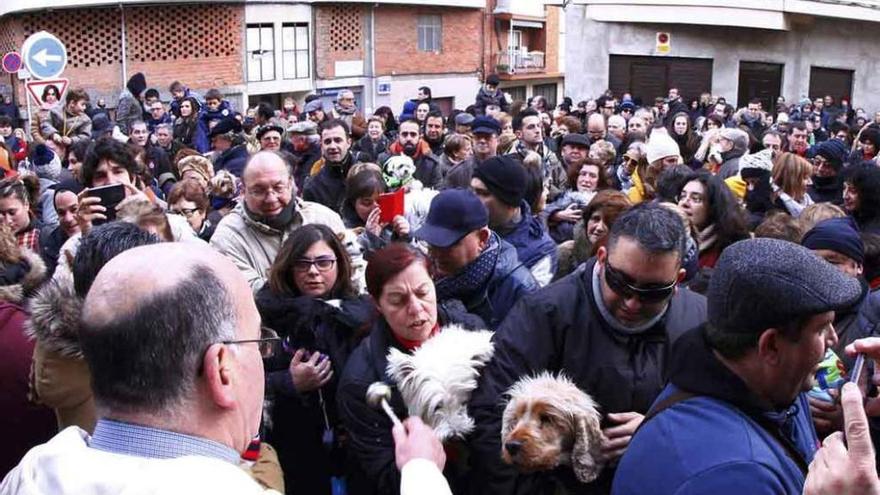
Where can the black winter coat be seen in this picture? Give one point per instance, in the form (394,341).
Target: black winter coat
(510,281)
(328,186)
(371,149)
(369,429)
(428,170)
(559,328)
(297,419)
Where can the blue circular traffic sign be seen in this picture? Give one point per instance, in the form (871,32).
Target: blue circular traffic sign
(12,62)
(44,55)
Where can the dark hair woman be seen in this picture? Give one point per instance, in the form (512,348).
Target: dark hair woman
(861,196)
(390,121)
(681,130)
(399,281)
(714,212)
(591,231)
(564,212)
(360,209)
(188,128)
(311,269)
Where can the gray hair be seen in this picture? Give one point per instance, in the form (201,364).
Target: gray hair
(658,230)
(344,93)
(163,126)
(147,359)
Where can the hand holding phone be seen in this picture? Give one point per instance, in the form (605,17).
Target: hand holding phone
(859,374)
(110,196)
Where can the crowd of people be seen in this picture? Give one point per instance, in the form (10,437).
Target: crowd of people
(706,274)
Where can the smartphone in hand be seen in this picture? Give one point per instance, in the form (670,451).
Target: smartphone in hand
(110,196)
(859,375)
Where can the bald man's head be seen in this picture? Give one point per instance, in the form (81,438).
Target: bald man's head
(596,127)
(150,315)
(268,185)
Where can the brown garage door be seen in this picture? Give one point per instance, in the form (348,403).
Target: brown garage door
(759,80)
(649,77)
(834,82)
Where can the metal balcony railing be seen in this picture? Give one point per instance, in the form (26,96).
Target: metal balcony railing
(519,62)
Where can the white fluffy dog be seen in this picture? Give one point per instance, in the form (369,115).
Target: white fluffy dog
(549,422)
(437,379)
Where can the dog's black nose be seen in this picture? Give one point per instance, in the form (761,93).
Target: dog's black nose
(513,447)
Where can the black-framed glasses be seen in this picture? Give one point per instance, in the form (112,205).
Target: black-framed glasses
(322,263)
(270,344)
(186,212)
(620,283)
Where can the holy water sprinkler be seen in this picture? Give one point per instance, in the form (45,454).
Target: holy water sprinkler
(378,395)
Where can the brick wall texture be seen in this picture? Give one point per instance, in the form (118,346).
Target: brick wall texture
(340,35)
(200,45)
(397,50)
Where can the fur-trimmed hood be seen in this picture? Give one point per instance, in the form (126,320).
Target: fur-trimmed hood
(55,316)
(33,277)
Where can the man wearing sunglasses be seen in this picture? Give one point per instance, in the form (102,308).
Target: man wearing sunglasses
(735,416)
(608,326)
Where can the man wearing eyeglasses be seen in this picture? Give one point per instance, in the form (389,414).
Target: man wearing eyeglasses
(607,326)
(251,235)
(179,410)
(158,115)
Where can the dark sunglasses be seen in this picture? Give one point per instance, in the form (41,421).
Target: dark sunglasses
(619,282)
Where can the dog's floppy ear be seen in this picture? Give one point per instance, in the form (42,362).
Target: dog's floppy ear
(400,365)
(585,453)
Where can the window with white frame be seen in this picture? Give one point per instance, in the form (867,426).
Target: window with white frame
(295,50)
(260,52)
(430,32)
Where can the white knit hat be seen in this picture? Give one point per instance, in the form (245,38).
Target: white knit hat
(660,146)
(762,160)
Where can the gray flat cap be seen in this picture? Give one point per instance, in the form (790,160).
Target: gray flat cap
(763,283)
(464,118)
(304,127)
(314,106)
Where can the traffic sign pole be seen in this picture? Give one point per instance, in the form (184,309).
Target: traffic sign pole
(30,116)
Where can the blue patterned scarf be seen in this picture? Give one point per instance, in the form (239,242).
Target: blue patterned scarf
(473,277)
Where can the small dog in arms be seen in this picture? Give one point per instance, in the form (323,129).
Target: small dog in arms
(550,422)
(437,379)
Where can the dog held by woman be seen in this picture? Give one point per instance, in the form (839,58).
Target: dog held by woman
(437,379)
(549,422)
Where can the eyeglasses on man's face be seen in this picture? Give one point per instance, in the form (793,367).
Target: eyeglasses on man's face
(270,344)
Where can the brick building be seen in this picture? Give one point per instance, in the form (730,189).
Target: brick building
(199,44)
(256,51)
(525,47)
(385,51)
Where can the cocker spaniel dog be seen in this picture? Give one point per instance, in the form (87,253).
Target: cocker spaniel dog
(549,422)
(437,379)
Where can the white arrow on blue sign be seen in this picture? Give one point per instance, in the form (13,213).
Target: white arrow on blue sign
(44,55)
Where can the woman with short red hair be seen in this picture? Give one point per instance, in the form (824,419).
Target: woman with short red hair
(399,281)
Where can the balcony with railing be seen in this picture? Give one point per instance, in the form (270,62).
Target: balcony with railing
(515,61)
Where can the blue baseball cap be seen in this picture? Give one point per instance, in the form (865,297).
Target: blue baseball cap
(454,213)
